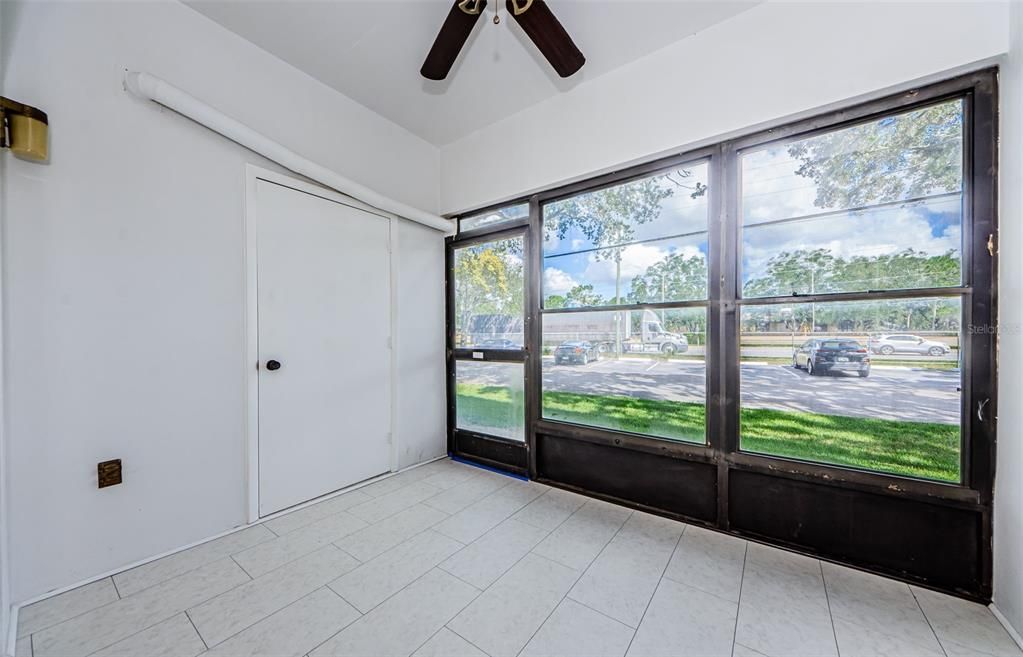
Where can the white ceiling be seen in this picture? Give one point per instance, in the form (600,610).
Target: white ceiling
(371,51)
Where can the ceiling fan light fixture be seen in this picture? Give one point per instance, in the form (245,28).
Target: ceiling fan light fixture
(533,16)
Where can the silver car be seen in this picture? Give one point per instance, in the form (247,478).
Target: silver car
(904,343)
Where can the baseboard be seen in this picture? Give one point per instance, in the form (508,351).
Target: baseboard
(1007,625)
(13,630)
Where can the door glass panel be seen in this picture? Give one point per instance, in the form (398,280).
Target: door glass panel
(874,385)
(489,398)
(489,295)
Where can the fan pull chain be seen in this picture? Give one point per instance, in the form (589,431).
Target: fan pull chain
(497,19)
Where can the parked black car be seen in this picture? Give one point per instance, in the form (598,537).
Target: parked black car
(576,352)
(823,355)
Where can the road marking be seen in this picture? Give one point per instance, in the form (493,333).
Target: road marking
(656,363)
(788,370)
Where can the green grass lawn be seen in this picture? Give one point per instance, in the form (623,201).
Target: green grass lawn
(917,449)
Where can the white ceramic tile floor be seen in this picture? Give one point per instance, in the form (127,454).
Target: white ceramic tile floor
(452,560)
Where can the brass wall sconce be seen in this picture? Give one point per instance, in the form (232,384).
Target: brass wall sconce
(23,129)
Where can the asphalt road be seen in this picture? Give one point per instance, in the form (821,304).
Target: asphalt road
(895,393)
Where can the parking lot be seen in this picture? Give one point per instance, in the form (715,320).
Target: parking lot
(894,393)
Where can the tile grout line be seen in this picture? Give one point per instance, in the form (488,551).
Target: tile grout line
(913,641)
(361,616)
(234,588)
(197,633)
(192,570)
(927,618)
(116,590)
(498,524)
(89,611)
(505,571)
(660,579)
(261,522)
(519,560)
(599,612)
(247,573)
(474,502)
(831,615)
(161,620)
(437,566)
(635,631)
(147,627)
(738,603)
(402,588)
(582,573)
(271,615)
(445,627)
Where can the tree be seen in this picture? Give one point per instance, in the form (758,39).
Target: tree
(582,296)
(488,280)
(899,157)
(554,301)
(674,278)
(608,217)
(804,271)
(818,270)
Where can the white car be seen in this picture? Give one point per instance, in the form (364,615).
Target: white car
(904,343)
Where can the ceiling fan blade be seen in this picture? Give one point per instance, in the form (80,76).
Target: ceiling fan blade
(452,36)
(543,28)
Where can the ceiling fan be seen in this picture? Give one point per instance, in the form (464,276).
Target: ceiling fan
(533,16)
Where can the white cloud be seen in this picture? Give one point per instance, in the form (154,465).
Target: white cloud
(636,259)
(556,281)
(873,234)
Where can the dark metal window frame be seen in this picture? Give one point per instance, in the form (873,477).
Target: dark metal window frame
(495,451)
(978,294)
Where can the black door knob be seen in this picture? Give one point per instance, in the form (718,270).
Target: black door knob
(273,365)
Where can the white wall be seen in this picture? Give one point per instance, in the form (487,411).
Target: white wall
(776,60)
(1008,520)
(5,594)
(421,421)
(124,279)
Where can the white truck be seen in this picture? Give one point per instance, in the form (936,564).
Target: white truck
(606,328)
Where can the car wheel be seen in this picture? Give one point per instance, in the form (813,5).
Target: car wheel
(795,363)
(557,361)
(596,355)
(864,374)
(809,368)
(667,349)
(887,350)
(585,360)
(936,351)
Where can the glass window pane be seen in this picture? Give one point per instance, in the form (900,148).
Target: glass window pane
(639,371)
(489,295)
(666,270)
(609,237)
(870,207)
(874,385)
(489,398)
(494,217)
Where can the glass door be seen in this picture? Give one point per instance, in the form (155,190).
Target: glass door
(487,354)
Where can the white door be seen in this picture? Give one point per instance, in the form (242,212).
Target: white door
(324,323)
